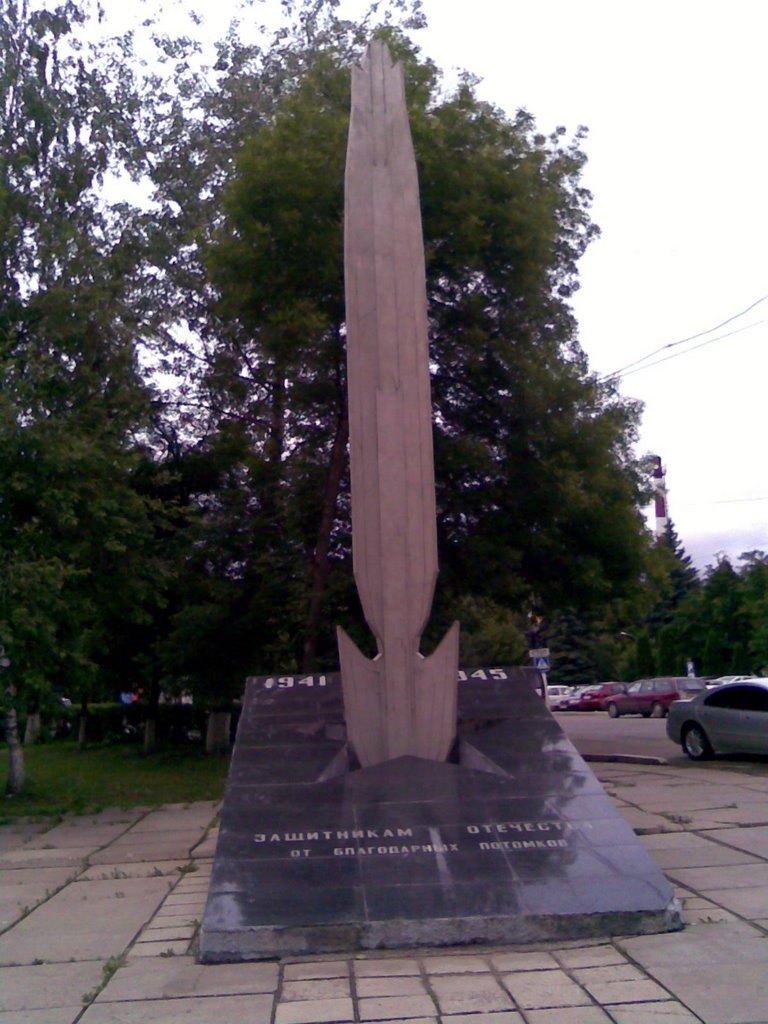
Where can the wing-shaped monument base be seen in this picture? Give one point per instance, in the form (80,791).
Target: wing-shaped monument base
(424,723)
(516,841)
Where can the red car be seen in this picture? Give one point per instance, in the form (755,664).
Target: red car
(594,698)
(651,697)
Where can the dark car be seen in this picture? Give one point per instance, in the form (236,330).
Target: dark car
(652,698)
(594,698)
(731,719)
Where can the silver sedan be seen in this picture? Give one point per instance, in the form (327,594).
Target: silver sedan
(731,719)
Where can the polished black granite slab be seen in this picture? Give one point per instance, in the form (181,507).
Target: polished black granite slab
(513,841)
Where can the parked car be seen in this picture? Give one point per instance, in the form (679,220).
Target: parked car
(557,696)
(651,698)
(594,698)
(722,680)
(572,700)
(731,719)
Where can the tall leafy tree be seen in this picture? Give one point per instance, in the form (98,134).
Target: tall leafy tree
(534,476)
(74,530)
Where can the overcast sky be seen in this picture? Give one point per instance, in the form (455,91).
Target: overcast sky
(674,96)
(673,93)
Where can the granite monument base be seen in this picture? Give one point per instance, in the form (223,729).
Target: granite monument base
(511,841)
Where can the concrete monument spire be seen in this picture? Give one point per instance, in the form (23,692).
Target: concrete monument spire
(399,703)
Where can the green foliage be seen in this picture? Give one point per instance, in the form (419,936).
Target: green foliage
(535,483)
(721,623)
(490,633)
(77,534)
(65,780)
(192,538)
(645,662)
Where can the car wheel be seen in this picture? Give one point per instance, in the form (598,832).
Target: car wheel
(695,743)
(613,711)
(657,710)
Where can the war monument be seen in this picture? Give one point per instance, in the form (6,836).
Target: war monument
(406,801)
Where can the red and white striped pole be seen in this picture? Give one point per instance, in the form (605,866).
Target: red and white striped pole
(660,498)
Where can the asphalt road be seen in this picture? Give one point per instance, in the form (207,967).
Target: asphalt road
(593,732)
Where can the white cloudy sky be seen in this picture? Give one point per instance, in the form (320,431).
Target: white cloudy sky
(673,93)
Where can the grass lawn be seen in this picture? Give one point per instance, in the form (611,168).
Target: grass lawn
(64,780)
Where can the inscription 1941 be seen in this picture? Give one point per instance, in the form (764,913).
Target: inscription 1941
(291,682)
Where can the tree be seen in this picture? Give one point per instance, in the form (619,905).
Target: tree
(533,467)
(754,575)
(74,530)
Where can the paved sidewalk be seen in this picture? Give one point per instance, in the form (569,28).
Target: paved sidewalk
(99,917)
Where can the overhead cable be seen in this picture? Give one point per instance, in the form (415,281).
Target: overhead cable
(683,341)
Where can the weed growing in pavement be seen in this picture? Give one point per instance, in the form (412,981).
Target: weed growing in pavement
(676,819)
(110,966)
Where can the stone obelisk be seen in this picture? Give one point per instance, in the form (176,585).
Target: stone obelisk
(400,702)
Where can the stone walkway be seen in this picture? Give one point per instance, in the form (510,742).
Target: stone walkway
(98,919)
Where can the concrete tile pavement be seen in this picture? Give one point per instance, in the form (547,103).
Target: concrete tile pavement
(99,918)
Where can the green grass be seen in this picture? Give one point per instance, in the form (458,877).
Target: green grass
(64,780)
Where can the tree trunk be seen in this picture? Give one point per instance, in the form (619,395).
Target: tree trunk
(217,733)
(150,724)
(16,773)
(319,565)
(82,728)
(33,728)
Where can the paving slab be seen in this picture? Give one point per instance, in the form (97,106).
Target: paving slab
(18,833)
(321,1011)
(568,1015)
(731,993)
(317,988)
(75,856)
(146,848)
(48,986)
(51,878)
(402,985)
(84,921)
(700,911)
(519,961)
(171,816)
(385,967)
(135,869)
(458,963)
(66,835)
(387,1008)
(733,876)
(590,956)
(729,943)
(464,993)
(644,823)
(753,840)
(181,976)
(209,1010)
(652,1013)
(59,1015)
(751,903)
(642,990)
(318,969)
(544,989)
(166,948)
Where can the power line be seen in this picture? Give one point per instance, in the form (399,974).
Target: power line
(682,341)
(734,501)
(693,348)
